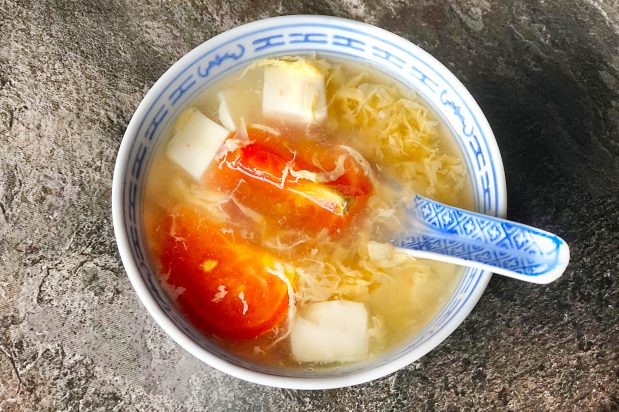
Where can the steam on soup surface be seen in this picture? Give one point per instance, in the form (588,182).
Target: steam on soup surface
(270,208)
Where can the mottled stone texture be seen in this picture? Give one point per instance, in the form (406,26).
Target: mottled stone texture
(73,335)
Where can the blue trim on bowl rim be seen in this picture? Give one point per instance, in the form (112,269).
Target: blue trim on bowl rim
(499,205)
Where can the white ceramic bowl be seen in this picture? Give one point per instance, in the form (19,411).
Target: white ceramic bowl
(293,35)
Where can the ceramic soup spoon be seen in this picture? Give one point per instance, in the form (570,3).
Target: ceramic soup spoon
(466,238)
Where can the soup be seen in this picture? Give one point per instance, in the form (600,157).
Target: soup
(270,207)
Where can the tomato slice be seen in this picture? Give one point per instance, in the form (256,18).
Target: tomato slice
(285,186)
(225,288)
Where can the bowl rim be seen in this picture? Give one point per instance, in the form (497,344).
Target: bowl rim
(162,319)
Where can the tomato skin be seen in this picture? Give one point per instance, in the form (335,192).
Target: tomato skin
(258,175)
(252,301)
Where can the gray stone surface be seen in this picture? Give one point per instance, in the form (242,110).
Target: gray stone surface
(73,335)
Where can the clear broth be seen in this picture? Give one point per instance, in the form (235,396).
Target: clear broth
(404,306)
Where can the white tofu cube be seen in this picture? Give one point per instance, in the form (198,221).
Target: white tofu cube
(333,331)
(196,143)
(295,91)
(235,104)
(225,116)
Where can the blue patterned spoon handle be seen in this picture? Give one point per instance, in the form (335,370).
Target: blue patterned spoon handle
(449,234)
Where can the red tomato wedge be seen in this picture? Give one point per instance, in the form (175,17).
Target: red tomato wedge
(226,289)
(291,190)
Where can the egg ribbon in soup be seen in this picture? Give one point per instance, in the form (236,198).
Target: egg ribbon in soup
(272,216)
